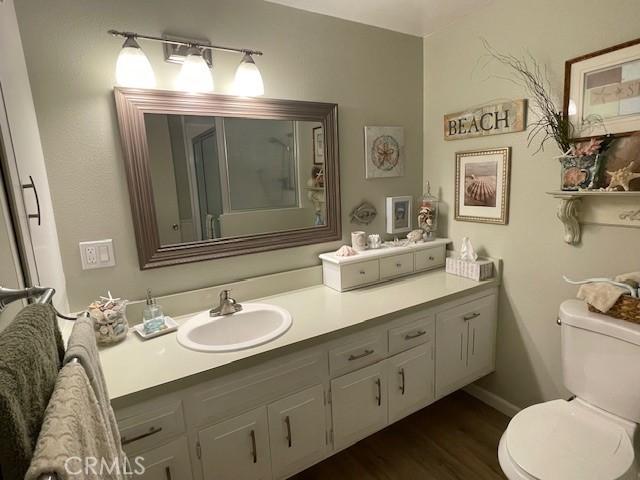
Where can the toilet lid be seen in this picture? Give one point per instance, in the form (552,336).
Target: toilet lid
(560,440)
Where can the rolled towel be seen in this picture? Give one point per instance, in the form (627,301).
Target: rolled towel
(601,295)
(632,278)
(82,345)
(73,432)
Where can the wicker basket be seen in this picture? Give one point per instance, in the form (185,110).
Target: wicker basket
(626,308)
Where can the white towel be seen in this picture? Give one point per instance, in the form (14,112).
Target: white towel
(74,431)
(601,295)
(82,345)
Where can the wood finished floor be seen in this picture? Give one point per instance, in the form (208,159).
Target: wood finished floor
(456,438)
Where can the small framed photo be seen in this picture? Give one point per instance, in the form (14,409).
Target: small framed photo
(318,146)
(482,186)
(384,152)
(602,91)
(398,210)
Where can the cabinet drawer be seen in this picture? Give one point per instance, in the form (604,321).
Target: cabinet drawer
(147,429)
(429,258)
(410,335)
(360,273)
(356,354)
(396,265)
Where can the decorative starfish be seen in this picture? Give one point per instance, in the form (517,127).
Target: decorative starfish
(622,177)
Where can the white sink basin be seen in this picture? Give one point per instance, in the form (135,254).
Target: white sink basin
(255,324)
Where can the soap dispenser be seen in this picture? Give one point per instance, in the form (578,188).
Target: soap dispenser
(152,315)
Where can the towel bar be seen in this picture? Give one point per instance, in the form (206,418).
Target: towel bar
(40,294)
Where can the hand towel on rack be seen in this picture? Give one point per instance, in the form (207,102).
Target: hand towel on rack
(82,345)
(31,351)
(73,431)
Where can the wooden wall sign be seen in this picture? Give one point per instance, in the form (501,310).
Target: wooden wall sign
(505,117)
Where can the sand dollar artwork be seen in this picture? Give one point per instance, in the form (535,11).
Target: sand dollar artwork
(384,151)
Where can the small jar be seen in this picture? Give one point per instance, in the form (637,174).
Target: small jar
(428,207)
(109,320)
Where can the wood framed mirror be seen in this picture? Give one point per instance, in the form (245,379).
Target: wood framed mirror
(213,176)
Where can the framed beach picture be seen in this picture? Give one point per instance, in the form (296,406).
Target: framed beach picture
(482,186)
(602,91)
(398,214)
(384,152)
(318,146)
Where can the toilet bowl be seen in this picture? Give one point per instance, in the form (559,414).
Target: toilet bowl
(567,440)
(593,436)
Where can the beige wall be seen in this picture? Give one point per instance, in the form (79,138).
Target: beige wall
(374,75)
(531,245)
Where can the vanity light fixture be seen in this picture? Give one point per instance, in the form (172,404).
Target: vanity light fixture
(248,81)
(133,68)
(195,74)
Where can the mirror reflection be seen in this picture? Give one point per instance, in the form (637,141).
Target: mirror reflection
(222,177)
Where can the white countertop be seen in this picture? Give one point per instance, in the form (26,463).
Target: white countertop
(385,250)
(135,365)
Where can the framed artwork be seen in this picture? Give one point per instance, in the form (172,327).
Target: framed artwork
(398,214)
(318,146)
(384,152)
(482,186)
(602,91)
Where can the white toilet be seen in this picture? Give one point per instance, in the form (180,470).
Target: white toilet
(592,436)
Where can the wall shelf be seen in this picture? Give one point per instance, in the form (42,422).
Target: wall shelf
(620,209)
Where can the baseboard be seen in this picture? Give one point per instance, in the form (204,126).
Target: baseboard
(493,400)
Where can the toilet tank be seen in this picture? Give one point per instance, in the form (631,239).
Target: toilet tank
(601,359)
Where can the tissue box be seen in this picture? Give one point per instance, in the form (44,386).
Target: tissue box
(480,270)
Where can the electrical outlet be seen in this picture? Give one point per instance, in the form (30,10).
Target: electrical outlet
(97,254)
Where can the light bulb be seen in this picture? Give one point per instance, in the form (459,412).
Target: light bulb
(133,68)
(248,81)
(195,75)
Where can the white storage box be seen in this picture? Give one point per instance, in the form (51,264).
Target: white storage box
(482,269)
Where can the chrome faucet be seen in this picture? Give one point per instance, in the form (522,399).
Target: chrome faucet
(227,305)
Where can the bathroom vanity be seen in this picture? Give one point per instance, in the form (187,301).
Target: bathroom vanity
(351,364)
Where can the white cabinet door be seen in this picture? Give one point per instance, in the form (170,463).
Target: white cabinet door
(482,338)
(297,431)
(465,344)
(451,352)
(237,449)
(410,381)
(168,462)
(359,404)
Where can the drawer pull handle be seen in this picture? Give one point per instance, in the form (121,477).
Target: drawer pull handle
(411,336)
(471,316)
(287,422)
(366,353)
(432,258)
(401,372)
(398,265)
(152,431)
(167,472)
(254,448)
(362,272)
(379,396)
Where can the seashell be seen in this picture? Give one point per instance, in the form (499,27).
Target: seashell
(346,251)
(363,214)
(481,190)
(414,236)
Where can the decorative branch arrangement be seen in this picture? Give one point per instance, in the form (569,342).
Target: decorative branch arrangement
(551,122)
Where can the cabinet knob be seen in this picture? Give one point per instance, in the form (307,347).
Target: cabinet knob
(361,272)
(431,257)
(398,265)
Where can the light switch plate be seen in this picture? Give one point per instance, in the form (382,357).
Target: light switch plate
(97,254)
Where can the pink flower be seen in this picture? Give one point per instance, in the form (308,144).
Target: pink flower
(584,149)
